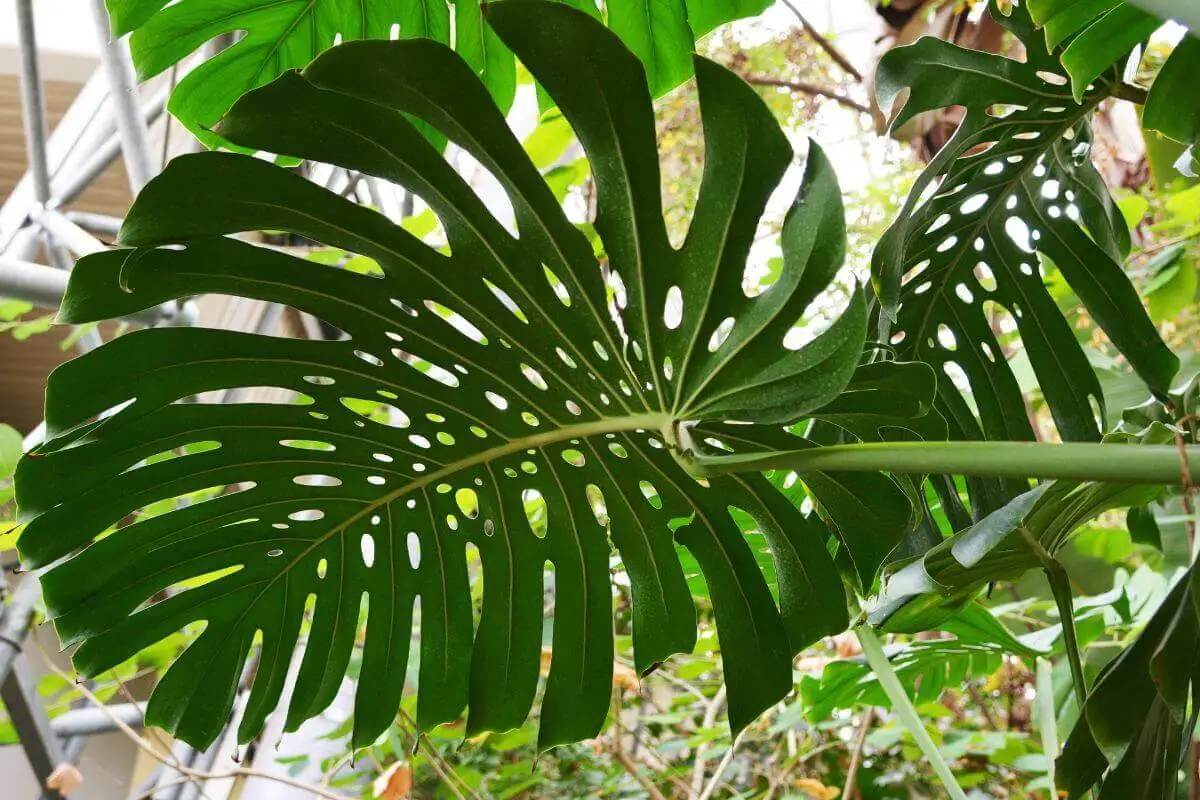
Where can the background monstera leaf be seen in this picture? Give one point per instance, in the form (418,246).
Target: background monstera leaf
(280,36)
(469,386)
(1096,35)
(1011,198)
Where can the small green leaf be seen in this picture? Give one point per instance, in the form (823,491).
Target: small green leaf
(1104,42)
(282,35)
(1173,107)
(11,448)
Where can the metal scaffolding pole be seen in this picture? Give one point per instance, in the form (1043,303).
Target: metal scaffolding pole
(15,619)
(44,286)
(36,284)
(33,107)
(86,123)
(43,745)
(28,717)
(67,233)
(99,224)
(79,722)
(69,184)
(114,55)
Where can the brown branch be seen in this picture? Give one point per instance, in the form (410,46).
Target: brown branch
(981,701)
(632,769)
(1189,488)
(710,719)
(825,44)
(442,767)
(187,772)
(650,754)
(806,88)
(1127,91)
(715,780)
(856,754)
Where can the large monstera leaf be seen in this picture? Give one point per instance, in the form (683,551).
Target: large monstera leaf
(281,35)
(509,379)
(1012,197)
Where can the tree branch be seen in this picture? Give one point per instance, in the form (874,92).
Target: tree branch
(715,780)
(632,769)
(825,44)
(856,754)
(187,772)
(806,88)
(710,719)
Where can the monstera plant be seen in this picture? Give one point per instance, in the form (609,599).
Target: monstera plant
(528,402)
(506,366)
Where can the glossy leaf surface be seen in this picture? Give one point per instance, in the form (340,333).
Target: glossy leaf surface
(1010,198)
(512,372)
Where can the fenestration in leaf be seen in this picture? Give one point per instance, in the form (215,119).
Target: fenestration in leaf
(529,388)
(1012,195)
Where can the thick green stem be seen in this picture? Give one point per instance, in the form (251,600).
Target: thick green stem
(903,707)
(1060,587)
(1134,94)
(1149,464)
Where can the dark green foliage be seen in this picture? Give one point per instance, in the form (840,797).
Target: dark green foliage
(1011,197)
(1136,716)
(508,383)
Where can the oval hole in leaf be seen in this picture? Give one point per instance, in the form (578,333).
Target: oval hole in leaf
(316,480)
(366,546)
(536,512)
(468,502)
(673,308)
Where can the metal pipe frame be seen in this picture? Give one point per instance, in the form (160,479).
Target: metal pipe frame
(42,748)
(44,287)
(33,106)
(14,623)
(84,126)
(68,234)
(96,224)
(68,188)
(80,722)
(114,55)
